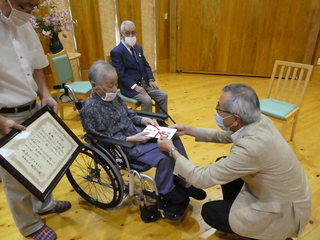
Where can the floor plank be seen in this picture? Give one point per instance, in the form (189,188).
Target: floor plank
(192,101)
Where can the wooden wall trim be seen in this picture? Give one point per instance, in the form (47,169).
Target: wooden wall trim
(173,36)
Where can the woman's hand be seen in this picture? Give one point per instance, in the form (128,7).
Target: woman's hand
(148,121)
(139,137)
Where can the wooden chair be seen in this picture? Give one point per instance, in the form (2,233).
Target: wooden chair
(285,94)
(62,73)
(131,102)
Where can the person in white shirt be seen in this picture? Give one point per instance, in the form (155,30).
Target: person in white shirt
(21,81)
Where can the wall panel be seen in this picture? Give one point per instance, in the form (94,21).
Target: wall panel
(163,37)
(87,32)
(245,36)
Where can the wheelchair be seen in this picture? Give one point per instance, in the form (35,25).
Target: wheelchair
(96,173)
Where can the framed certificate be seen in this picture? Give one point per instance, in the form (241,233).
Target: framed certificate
(39,156)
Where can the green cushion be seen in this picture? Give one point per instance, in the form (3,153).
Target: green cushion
(80,87)
(126,99)
(276,108)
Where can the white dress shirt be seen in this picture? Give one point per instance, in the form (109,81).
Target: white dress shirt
(19,57)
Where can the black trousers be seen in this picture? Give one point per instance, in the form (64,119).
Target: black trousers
(216,213)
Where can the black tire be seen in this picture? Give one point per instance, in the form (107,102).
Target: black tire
(96,179)
(149,214)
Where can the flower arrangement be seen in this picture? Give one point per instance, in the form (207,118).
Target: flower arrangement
(56,21)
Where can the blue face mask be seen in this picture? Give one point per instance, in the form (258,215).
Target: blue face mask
(219,121)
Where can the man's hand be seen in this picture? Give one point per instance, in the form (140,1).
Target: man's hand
(139,137)
(184,130)
(165,144)
(140,90)
(153,85)
(181,129)
(51,102)
(6,125)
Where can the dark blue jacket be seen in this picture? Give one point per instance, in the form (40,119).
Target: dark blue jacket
(128,69)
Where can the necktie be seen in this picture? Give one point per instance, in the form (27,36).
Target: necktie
(134,53)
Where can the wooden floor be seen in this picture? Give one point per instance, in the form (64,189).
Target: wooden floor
(192,101)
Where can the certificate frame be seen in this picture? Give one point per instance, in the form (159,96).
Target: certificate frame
(39,156)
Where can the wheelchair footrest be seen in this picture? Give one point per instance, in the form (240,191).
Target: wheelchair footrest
(175,211)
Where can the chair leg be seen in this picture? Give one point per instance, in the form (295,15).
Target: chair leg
(294,126)
(284,128)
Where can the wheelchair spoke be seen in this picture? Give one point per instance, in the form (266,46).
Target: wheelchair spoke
(95,180)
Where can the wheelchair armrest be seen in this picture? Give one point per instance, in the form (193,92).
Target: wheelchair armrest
(159,116)
(109,140)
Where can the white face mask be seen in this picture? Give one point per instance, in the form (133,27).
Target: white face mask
(109,96)
(130,41)
(16,18)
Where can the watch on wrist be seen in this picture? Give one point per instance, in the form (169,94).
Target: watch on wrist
(171,150)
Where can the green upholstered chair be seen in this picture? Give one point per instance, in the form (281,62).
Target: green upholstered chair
(285,94)
(62,73)
(131,102)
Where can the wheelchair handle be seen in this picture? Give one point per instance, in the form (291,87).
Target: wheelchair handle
(60,86)
(67,90)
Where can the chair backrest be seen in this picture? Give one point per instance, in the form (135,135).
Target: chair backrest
(60,67)
(289,82)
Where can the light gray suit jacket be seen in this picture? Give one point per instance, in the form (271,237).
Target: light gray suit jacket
(275,201)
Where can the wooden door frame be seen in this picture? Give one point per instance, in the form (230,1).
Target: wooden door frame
(173,36)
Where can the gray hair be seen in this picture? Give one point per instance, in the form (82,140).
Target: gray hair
(99,71)
(126,23)
(243,102)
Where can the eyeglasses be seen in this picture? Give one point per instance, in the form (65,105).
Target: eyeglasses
(219,110)
(27,8)
(128,33)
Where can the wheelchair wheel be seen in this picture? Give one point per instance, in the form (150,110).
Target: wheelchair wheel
(96,179)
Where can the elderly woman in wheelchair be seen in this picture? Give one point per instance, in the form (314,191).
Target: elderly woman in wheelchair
(107,116)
